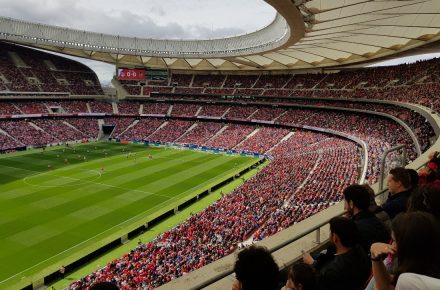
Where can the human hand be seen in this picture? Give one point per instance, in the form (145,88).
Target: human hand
(236,286)
(381,250)
(308,259)
(289,285)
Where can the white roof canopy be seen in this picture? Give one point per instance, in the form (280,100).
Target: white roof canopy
(304,34)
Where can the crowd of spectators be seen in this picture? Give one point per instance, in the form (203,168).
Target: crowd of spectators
(7,108)
(171,131)
(272,81)
(141,130)
(71,106)
(248,92)
(33,107)
(129,107)
(88,126)
(121,124)
(240,81)
(27,134)
(7,142)
(132,87)
(158,89)
(217,91)
(101,107)
(378,133)
(414,83)
(213,111)
(200,134)
(263,140)
(216,231)
(59,129)
(185,110)
(231,136)
(241,112)
(267,114)
(186,90)
(215,81)
(30,70)
(321,172)
(155,108)
(181,80)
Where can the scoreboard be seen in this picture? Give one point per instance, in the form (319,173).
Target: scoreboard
(129,74)
(156,74)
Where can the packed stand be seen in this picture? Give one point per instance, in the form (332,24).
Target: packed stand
(142,129)
(88,126)
(268,114)
(213,111)
(71,107)
(334,168)
(263,140)
(272,81)
(129,107)
(206,236)
(34,107)
(215,81)
(248,92)
(241,112)
(121,124)
(37,71)
(155,108)
(188,91)
(181,80)
(231,136)
(7,142)
(240,81)
(132,87)
(27,134)
(101,107)
(7,109)
(378,133)
(189,110)
(59,129)
(171,131)
(200,134)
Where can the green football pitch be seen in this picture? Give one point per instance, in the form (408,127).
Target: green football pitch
(61,204)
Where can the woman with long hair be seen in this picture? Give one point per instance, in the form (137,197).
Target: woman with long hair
(416,246)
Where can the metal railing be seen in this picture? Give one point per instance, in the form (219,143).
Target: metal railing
(297,236)
(383,161)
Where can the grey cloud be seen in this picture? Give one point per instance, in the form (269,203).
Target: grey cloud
(158,11)
(123,22)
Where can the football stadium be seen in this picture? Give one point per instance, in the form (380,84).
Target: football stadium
(281,157)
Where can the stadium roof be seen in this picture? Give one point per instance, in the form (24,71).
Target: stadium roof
(304,34)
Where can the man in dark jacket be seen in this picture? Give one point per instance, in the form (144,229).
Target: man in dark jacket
(371,229)
(350,260)
(399,185)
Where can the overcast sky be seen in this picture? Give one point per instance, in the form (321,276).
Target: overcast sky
(175,19)
(167,19)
